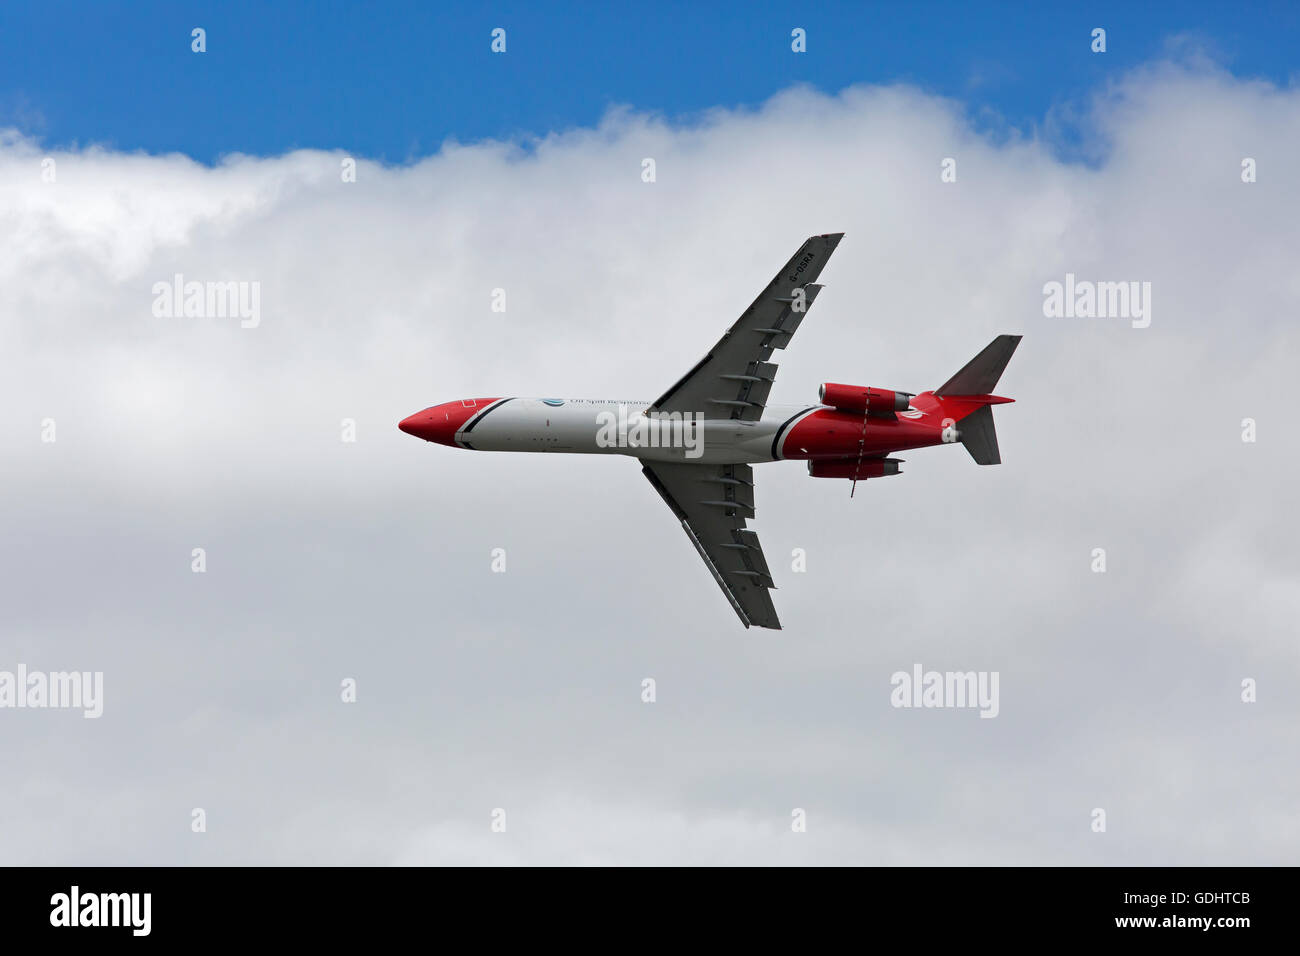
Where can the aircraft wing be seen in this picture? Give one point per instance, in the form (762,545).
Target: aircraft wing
(733,380)
(712,503)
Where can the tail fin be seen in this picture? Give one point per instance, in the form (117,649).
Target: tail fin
(980,375)
(980,437)
(976,382)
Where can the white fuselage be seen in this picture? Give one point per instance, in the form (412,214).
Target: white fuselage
(596,426)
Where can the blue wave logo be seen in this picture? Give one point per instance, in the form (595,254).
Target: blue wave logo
(553,402)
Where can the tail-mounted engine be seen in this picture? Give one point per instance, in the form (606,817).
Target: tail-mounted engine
(854,469)
(863,400)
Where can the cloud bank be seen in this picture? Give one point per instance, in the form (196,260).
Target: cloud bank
(370,560)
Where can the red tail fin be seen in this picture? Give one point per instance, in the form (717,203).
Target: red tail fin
(967,398)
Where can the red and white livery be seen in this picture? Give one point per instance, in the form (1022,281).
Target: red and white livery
(697,441)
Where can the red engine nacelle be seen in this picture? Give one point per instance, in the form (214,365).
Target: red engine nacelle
(852,468)
(861,399)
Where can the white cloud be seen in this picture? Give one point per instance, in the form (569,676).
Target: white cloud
(370,560)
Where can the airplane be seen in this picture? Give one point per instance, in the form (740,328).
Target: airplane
(697,441)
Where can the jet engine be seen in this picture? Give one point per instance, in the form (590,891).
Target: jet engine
(861,400)
(852,468)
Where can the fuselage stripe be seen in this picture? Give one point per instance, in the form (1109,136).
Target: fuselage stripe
(785,426)
(469,426)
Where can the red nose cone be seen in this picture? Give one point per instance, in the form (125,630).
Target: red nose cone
(421,425)
(441,422)
(432,424)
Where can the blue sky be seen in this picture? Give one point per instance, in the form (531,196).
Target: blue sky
(394,81)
